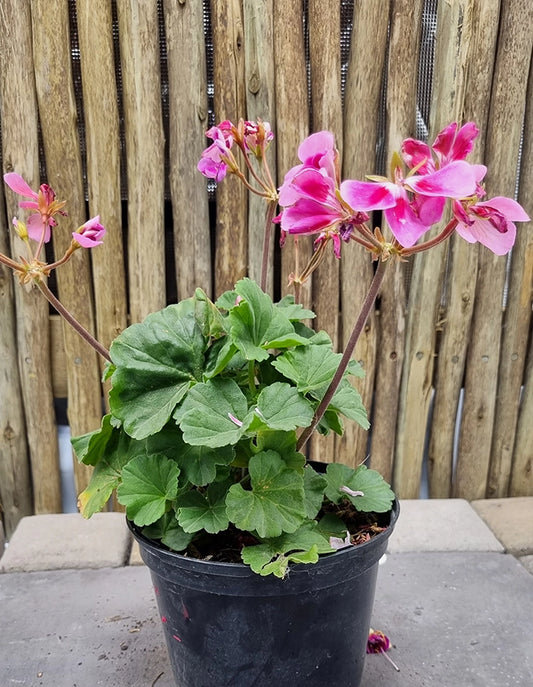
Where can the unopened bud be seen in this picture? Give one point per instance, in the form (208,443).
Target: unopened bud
(20,228)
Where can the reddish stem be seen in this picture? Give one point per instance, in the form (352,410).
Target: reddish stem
(73,322)
(346,356)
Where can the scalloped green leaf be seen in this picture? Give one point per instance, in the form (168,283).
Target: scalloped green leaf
(314,485)
(294,311)
(274,555)
(168,530)
(346,400)
(309,367)
(203,511)
(227,300)
(214,414)
(208,316)
(276,501)
(109,457)
(255,323)
(156,363)
(284,443)
(149,484)
(280,406)
(198,464)
(89,448)
(377,496)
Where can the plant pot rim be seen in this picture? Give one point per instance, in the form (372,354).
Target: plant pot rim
(369,552)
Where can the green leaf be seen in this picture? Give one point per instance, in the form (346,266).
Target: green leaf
(149,483)
(218,357)
(356,369)
(168,530)
(377,496)
(284,443)
(156,363)
(197,463)
(309,367)
(208,316)
(214,414)
(109,458)
(89,448)
(332,526)
(314,485)
(347,400)
(280,406)
(329,422)
(273,556)
(276,501)
(227,300)
(255,322)
(197,511)
(294,311)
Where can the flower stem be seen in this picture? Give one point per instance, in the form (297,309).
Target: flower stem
(346,356)
(271,209)
(72,321)
(448,229)
(15,266)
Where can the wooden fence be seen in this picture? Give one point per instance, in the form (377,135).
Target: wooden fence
(110,100)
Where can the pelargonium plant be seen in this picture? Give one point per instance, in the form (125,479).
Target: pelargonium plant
(212,403)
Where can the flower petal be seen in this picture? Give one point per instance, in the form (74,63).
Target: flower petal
(316,145)
(17,184)
(404,224)
(368,195)
(455,180)
(456,145)
(35,228)
(500,243)
(507,206)
(416,153)
(429,208)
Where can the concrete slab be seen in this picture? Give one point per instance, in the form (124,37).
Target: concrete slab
(50,542)
(527,562)
(511,520)
(88,628)
(441,525)
(135,555)
(455,620)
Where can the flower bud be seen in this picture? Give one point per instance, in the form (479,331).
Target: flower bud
(90,234)
(20,228)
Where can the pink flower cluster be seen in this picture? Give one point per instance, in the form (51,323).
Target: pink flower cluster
(45,207)
(314,201)
(251,137)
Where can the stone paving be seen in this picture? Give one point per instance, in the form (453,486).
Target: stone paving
(454,595)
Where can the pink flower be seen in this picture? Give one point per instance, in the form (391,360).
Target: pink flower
(215,159)
(377,642)
(310,195)
(490,222)
(90,234)
(257,136)
(449,145)
(412,204)
(44,204)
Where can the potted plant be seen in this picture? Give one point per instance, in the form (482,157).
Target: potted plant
(264,564)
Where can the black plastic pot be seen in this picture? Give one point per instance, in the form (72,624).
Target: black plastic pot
(226,626)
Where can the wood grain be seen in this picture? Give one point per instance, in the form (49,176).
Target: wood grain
(35,431)
(187,82)
(143,126)
(58,117)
